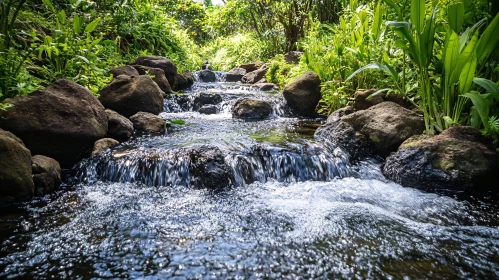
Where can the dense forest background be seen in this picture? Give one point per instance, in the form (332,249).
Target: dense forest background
(441,55)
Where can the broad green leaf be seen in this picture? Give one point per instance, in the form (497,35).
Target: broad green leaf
(378,16)
(455,16)
(418,10)
(489,39)
(476,121)
(83,58)
(428,39)
(61,17)
(107,42)
(179,122)
(451,53)
(77,24)
(91,26)
(482,106)
(467,75)
(464,57)
(369,66)
(378,92)
(489,86)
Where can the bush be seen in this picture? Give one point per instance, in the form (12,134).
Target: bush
(226,53)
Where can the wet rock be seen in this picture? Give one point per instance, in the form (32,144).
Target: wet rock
(303,95)
(251,109)
(16,183)
(46,174)
(235,75)
(62,121)
(262,81)
(104,144)
(148,123)
(181,83)
(209,110)
(293,57)
(207,76)
(363,102)
(208,168)
(250,67)
(265,86)
(128,96)
(205,98)
(189,77)
(458,159)
(119,127)
(387,125)
(159,77)
(255,76)
(125,70)
(345,111)
(343,135)
(162,63)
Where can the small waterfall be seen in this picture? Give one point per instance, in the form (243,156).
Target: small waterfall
(219,74)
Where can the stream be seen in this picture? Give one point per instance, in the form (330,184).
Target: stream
(298,209)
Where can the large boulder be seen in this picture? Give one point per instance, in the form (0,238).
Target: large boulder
(125,70)
(15,169)
(207,76)
(148,123)
(205,98)
(159,62)
(189,77)
(159,77)
(303,95)
(181,83)
(250,67)
(251,109)
(119,127)
(46,174)
(458,159)
(343,135)
(365,99)
(62,121)
(208,168)
(235,75)
(255,76)
(387,125)
(208,110)
(130,95)
(103,145)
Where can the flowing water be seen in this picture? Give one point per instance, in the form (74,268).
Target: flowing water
(297,209)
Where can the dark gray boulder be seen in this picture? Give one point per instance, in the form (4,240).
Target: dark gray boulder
(119,127)
(125,70)
(128,96)
(207,76)
(387,125)
(255,76)
(208,110)
(159,77)
(46,174)
(104,144)
(208,169)
(205,98)
(148,123)
(340,113)
(365,99)
(459,159)
(181,83)
(160,62)
(235,75)
(16,183)
(62,121)
(343,135)
(303,95)
(251,109)
(250,67)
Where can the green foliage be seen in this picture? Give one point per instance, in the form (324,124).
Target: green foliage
(282,73)
(225,53)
